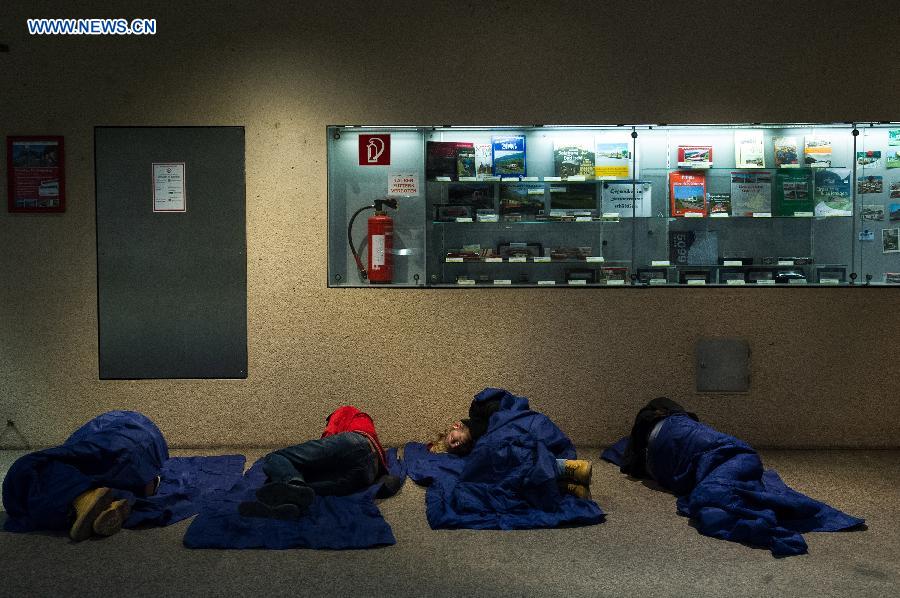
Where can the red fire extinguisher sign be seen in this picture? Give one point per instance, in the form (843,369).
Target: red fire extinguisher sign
(374,150)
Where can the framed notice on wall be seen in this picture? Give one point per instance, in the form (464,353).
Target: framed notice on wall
(168,187)
(36,173)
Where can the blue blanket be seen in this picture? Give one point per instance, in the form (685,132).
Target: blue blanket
(187,486)
(123,450)
(722,486)
(507,481)
(335,522)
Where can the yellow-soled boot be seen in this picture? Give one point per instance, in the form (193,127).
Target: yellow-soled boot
(110,520)
(578,470)
(88,505)
(578,490)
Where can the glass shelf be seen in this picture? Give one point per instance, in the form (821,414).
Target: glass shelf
(504,223)
(507,261)
(722,169)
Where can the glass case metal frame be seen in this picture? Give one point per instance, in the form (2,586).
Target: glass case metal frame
(824,215)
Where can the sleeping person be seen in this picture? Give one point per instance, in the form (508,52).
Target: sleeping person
(113,472)
(504,467)
(78,485)
(720,481)
(573,475)
(316,494)
(346,459)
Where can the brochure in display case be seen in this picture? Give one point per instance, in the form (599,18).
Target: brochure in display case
(561,206)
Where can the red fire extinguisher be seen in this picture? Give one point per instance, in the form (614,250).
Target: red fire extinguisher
(380,241)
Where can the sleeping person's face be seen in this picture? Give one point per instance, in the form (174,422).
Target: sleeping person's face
(459,439)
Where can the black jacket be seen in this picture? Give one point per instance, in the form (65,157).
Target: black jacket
(634,461)
(480,413)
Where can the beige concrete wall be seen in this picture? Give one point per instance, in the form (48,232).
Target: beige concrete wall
(824,360)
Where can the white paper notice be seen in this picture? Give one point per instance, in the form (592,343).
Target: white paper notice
(403,184)
(168,187)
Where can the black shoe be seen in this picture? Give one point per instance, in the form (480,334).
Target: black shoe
(258,509)
(280,493)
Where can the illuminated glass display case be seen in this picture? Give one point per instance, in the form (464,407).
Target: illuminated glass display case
(627,205)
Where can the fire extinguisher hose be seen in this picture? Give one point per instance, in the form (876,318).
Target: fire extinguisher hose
(359,264)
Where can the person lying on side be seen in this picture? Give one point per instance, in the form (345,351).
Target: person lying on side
(346,459)
(78,485)
(574,475)
(720,481)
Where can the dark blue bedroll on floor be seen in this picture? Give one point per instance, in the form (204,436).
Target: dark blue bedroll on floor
(123,450)
(508,481)
(722,486)
(332,522)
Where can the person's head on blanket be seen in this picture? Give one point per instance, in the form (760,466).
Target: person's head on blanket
(461,436)
(456,440)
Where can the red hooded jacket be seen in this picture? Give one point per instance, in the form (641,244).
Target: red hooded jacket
(351,419)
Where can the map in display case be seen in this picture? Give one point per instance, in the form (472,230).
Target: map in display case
(626,205)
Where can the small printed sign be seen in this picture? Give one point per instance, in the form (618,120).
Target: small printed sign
(168,187)
(374,150)
(403,184)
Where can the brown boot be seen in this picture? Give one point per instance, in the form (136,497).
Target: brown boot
(578,470)
(578,490)
(110,520)
(88,505)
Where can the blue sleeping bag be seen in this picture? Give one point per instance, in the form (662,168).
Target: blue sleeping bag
(123,450)
(721,485)
(334,522)
(507,481)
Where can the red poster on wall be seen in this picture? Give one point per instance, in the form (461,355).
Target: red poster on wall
(36,173)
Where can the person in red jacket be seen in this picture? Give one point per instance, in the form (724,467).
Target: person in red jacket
(346,459)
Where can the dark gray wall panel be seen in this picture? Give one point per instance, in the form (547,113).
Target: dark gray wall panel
(172,287)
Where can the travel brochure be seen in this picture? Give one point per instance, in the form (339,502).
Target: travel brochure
(751,193)
(803,179)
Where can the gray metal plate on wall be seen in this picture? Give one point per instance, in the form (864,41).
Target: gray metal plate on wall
(723,365)
(171,287)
